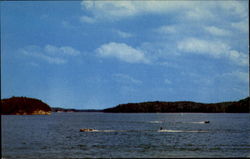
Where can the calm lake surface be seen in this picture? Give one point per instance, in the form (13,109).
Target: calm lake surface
(126,135)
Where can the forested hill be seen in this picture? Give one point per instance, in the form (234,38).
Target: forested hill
(31,106)
(241,106)
(24,106)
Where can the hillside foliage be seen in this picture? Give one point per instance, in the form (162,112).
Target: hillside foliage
(23,105)
(241,106)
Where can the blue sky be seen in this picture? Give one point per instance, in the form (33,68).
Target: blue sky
(97,54)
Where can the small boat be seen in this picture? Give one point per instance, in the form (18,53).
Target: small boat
(206,122)
(86,130)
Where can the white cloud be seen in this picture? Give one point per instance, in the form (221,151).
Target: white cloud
(198,46)
(64,50)
(197,10)
(242,25)
(239,58)
(208,10)
(239,8)
(114,10)
(50,49)
(52,60)
(50,53)
(167,29)
(124,78)
(217,31)
(199,13)
(109,9)
(122,52)
(211,13)
(69,51)
(215,49)
(33,53)
(123,34)
(170,64)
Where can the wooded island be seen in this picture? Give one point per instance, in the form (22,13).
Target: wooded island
(24,106)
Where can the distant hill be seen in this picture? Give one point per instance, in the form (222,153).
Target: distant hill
(31,106)
(242,106)
(57,109)
(24,106)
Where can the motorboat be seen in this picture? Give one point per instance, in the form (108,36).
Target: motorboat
(87,130)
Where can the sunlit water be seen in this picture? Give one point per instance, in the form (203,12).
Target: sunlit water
(126,135)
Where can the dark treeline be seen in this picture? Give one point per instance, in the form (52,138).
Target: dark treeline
(58,109)
(23,105)
(241,106)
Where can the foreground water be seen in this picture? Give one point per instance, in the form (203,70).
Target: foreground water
(126,135)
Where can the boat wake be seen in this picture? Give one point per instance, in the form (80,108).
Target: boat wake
(95,130)
(195,122)
(111,130)
(163,130)
(156,122)
(198,122)
(180,131)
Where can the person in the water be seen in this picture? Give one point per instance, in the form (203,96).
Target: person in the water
(161,128)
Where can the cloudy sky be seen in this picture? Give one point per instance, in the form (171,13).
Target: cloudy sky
(97,54)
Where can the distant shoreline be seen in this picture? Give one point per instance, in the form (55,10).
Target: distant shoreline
(32,106)
(241,106)
(58,109)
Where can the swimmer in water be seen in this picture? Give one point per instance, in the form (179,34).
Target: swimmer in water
(161,128)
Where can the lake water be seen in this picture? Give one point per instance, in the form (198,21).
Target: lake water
(126,135)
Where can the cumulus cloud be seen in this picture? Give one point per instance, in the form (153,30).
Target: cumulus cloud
(50,53)
(215,49)
(217,31)
(106,9)
(122,52)
(198,46)
(116,10)
(211,13)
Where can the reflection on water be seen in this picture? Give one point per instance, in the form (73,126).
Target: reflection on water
(126,135)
